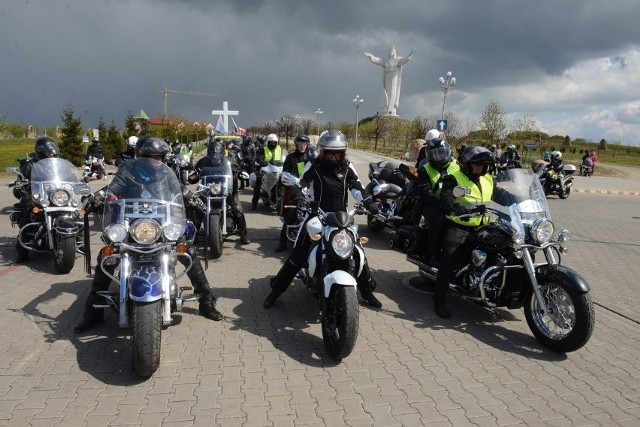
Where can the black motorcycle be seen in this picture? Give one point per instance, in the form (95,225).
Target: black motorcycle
(56,225)
(392,187)
(502,269)
(558,183)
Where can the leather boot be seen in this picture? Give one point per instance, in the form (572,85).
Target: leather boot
(281,282)
(440,307)
(366,285)
(92,316)
(201,286)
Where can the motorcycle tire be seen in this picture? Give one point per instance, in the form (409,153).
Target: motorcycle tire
(146,334)
(570,320)
(564,194)
(340,322)
(64,254)
(374,225)
(215,236)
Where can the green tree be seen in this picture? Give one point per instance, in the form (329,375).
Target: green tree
(493,121)
(602,145)
(130,128)
(71,147)
(567,141)
(102,129)
(112,144)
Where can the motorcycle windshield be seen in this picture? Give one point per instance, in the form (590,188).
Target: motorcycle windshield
(216,169)
(55,173)
(144,188)
(520,195)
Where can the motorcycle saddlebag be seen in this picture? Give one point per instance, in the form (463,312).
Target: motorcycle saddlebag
(409,239)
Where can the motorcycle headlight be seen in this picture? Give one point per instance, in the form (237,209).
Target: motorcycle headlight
(145,231)
(216,189)
(116,232)
(542,231)
(59,198)
(342,244)
(172,232)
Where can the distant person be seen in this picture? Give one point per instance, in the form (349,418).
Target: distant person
(594,159)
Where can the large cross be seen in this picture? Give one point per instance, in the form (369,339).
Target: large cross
(225,114)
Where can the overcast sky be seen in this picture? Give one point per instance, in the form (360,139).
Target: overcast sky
(573,65)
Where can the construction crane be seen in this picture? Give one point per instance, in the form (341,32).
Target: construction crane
(165,93)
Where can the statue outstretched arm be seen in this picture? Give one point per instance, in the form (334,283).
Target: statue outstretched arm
(405,59)
(374,59)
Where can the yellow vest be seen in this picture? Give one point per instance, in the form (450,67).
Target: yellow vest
(434,174)
(272,155)
(481,194)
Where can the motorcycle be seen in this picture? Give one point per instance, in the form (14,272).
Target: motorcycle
(208,208)
(288,181)
(93,170)
(182,165)
(507,164)
(56,219)
(142,247)
(502,270)
(586,168)
(392,188)
(330,275)
(557,182)
(270,176)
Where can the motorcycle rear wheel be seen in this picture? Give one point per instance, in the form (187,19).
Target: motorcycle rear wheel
(374,225)
(570,320)
(146,337)
(64,254)
(340,323)
(215,236)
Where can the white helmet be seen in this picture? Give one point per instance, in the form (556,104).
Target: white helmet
(131,141)
(432,134)
(556,155)
(272,137)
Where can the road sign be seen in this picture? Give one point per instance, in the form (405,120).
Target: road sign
(442,125)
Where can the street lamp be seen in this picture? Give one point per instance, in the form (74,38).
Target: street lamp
(357,101)
(318,113)
(446,84)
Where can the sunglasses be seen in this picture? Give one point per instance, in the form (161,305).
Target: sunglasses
(332,154)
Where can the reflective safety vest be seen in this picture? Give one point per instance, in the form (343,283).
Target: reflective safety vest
(272,155)
(481,194)
(300,167)
(434,175)
(184,149)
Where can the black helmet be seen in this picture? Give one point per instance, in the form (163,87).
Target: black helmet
(95,140)
(301,139)
(479,155)
(439,152)
(46,147)
(148,146)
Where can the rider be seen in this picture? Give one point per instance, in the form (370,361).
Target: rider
(294,164)
(45,147)
(330,177)
(96,150)
(156,149)
(270,152)
(215,153)
(511,156)
(472,174)
(431,135)
(130,152)
(248,149)
(430,176)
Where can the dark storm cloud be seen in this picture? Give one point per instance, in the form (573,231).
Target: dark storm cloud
(269,58)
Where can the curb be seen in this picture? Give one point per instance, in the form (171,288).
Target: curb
(608,192)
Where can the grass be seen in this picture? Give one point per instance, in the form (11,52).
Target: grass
(12,149)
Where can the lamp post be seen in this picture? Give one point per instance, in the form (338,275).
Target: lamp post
(446,84)
(357,101)
(318,113)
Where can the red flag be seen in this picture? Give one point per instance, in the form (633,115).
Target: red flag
(238,129)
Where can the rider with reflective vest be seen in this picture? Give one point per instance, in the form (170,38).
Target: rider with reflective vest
(440,163)
(294,164)
(272,152)
(473,175)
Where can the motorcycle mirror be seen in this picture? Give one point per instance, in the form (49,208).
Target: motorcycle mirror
(460,191)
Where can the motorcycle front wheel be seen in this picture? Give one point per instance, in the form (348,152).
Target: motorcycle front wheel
(564,194)
(569,322)
(64,254)
(146,327)
(340,322)
(215,236)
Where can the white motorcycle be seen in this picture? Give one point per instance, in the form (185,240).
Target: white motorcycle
(270,175)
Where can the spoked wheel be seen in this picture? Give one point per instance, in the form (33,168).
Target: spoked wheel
(340,322)
(570,319)
(146,337)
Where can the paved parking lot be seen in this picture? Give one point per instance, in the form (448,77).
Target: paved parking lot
(268,367)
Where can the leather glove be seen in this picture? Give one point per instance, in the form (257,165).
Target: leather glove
(480,209)
(372,207)
(460,210)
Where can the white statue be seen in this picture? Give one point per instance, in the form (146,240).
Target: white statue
(391,76)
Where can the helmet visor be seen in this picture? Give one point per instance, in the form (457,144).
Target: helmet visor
(439,155)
